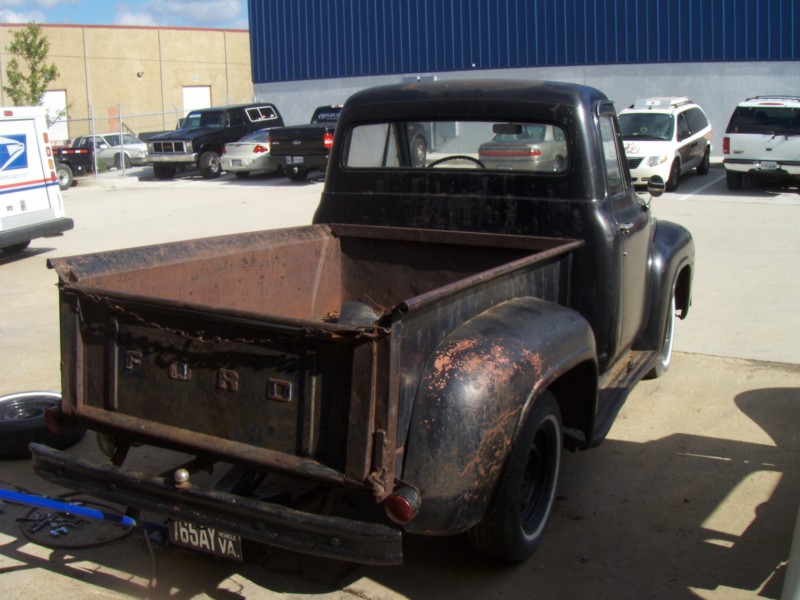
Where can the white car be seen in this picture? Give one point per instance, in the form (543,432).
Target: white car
(116,149)
(665,136)
(763,139)
(249,155)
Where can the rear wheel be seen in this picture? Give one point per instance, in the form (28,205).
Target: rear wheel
(515,523)
(419,150)
(296,173)
(15,248)
(164,171)
(64,175)
(702,168)
(733,179)
(674,175)
(210,165)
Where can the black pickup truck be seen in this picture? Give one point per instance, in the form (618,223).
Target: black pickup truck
(71,162)
(202,136)
(302,148)
(413,361)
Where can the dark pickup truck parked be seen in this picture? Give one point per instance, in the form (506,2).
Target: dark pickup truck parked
(303,148)
(413,361)
(202,136)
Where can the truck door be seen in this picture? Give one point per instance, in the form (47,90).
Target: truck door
(632,236)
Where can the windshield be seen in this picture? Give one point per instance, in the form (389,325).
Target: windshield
(774,120)
(502,146)
(651,126)
(213,119)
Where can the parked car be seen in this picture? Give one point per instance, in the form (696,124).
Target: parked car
(526,147)
(762,139)
(665,136)
(115,148)
(249,155)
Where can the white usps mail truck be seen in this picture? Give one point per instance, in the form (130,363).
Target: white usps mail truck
(31,205)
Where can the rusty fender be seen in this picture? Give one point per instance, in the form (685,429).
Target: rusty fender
(670,268)
(476,392)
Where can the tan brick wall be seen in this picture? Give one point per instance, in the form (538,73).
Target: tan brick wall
(100,67)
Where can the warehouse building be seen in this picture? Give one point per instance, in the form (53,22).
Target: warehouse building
(306,53)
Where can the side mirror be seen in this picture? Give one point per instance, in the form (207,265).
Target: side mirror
(656,186)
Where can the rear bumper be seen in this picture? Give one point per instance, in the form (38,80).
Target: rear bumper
(779,168)
(273,524)
(37,230)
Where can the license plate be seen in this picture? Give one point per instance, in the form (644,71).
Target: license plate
(294,160)
(206,539)
(236,163)
(768,165)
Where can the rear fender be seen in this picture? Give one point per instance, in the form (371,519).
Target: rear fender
(474,396)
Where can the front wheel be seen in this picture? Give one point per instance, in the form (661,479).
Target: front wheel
(667,341)
(674,175)
(515,523)
(122,160)
(210,165)
(164,171)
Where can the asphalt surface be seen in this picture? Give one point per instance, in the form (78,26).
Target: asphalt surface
(693,495)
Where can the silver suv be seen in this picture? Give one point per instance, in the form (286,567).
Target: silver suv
(763,139)
(665,136)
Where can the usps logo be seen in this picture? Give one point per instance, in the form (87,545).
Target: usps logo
(13,152)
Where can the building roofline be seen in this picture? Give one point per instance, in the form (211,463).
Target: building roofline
(144,27)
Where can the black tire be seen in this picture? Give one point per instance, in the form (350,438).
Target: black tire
(674,176)
(15,248)
(164,171)
(242,174)
(667,343)
(733,179)
(65,176)
(515,523)
(297,174)
(419,151)
(210,165)
(705,164)
(121,160)
(22,422)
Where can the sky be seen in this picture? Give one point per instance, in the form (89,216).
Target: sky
(217,14)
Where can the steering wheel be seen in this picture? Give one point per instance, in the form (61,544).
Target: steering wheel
(439,161)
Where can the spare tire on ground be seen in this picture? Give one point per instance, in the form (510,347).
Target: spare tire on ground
(22,422)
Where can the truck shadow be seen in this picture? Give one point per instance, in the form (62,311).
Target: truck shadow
(632,520)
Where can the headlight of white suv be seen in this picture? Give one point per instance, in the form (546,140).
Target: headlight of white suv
(653,161)
(188,147)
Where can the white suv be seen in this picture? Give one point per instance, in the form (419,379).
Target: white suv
(666,136)
(763,138)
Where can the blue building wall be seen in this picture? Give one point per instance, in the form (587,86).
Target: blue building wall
(294,40)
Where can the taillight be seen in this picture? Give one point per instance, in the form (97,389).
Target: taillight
(259,149)
(726,145)
(536,152)
(224,149)
(402,505)
(327,140)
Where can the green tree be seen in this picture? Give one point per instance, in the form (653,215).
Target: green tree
(28,73)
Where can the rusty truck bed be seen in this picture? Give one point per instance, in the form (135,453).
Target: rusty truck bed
(281,350)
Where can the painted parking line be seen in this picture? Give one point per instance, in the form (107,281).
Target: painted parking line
(706,186)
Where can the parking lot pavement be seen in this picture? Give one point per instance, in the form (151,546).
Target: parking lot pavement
(693,494)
